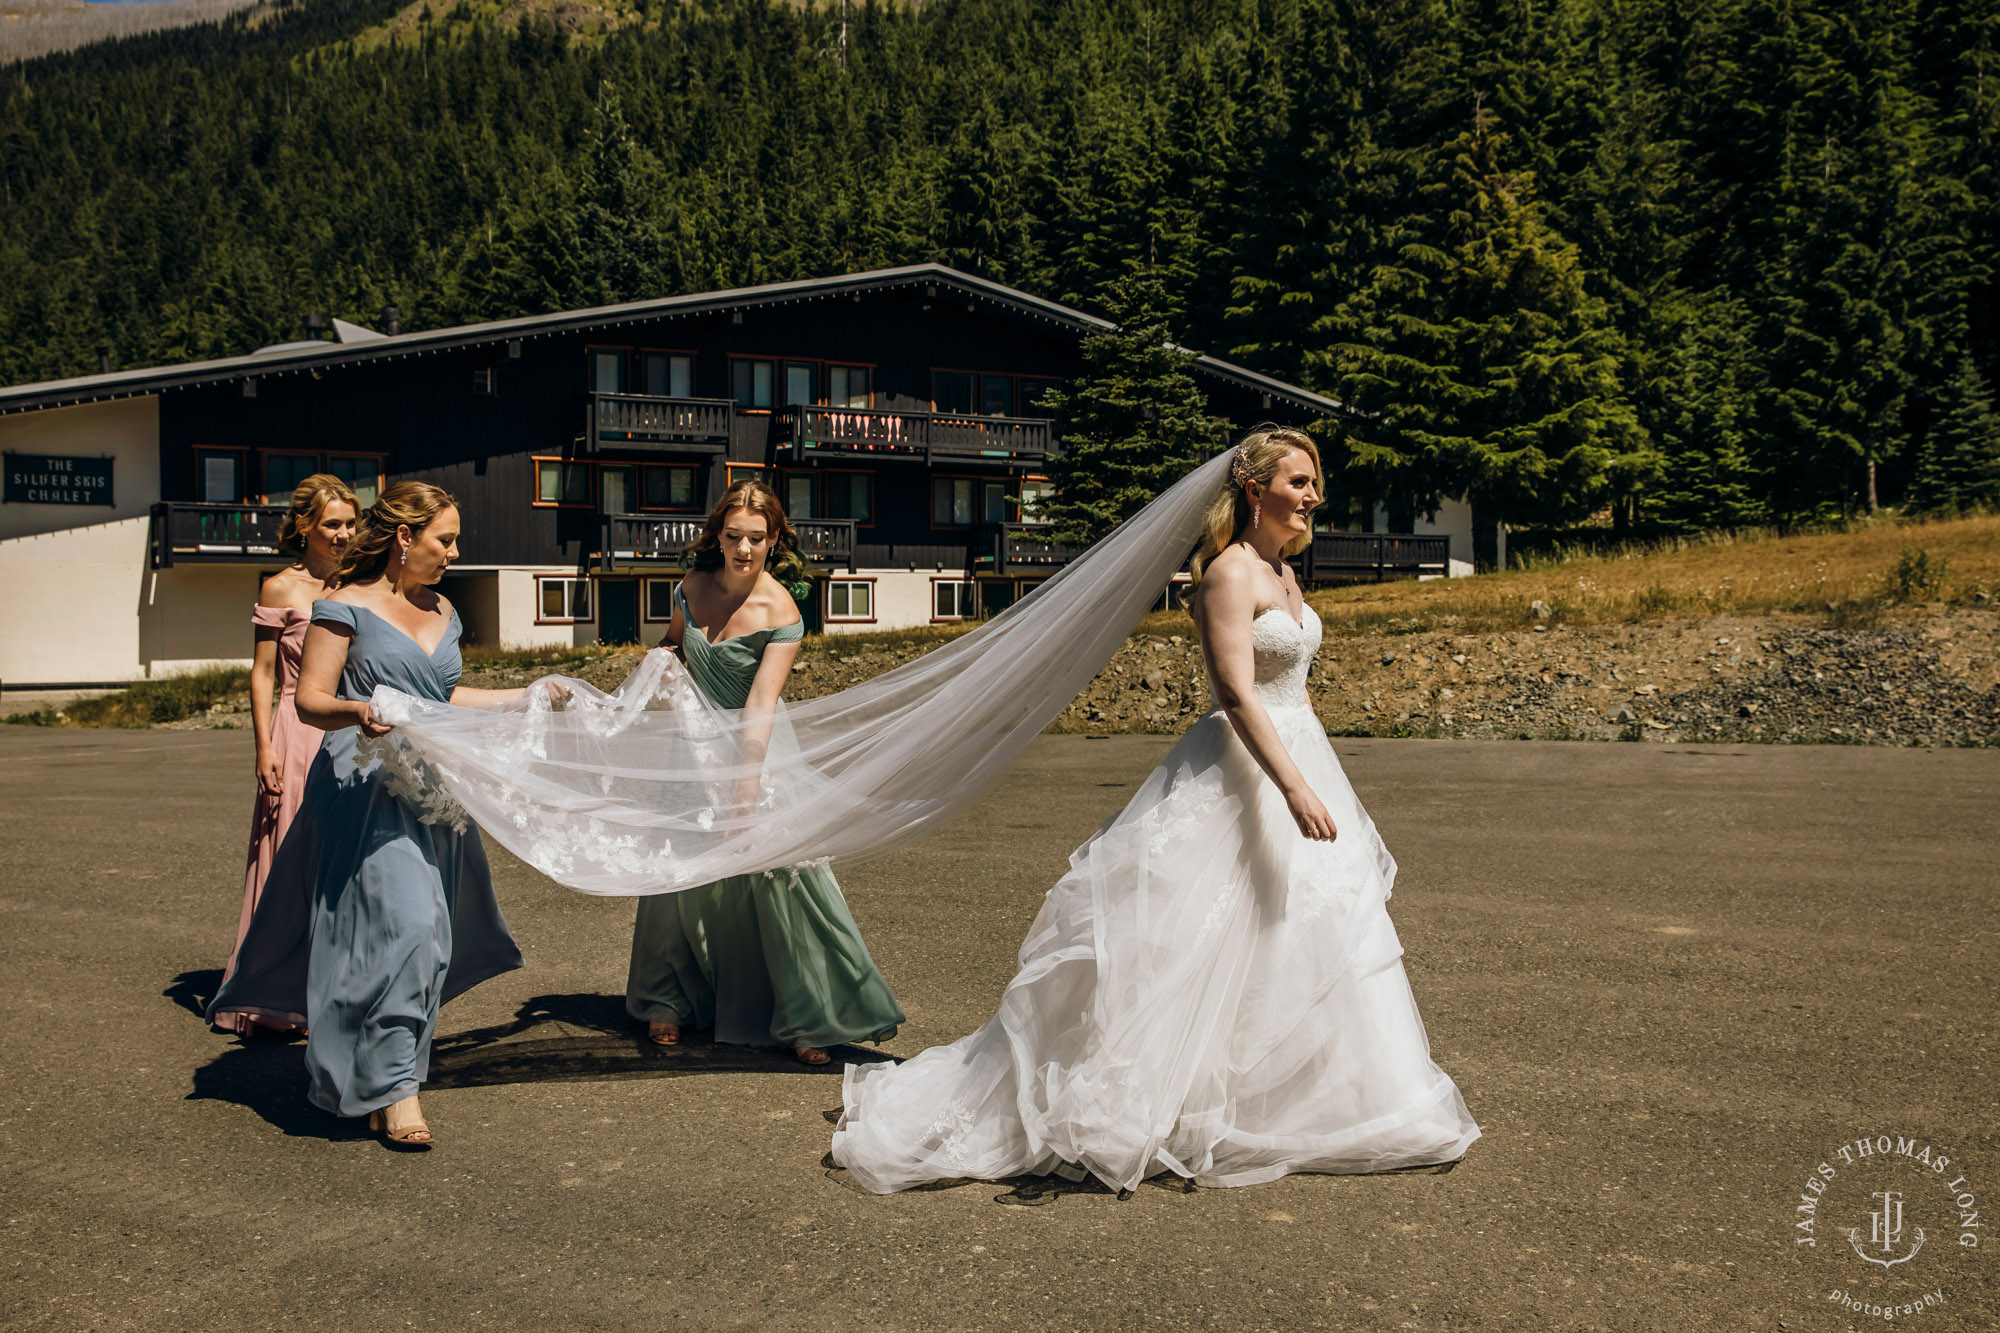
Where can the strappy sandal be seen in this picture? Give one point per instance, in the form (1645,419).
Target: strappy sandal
(410,1138)
(811,1055)
(662,1033)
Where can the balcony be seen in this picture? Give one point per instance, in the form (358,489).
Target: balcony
(1028,548)
(656,539)
(1374,555)
(641,421)
(191,532)
(930,436)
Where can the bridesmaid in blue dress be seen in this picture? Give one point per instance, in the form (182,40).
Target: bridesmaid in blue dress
(769,959)
(371,919)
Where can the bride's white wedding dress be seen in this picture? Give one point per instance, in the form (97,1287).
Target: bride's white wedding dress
(1206,992)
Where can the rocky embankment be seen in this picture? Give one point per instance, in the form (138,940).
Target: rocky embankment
(1917,678)
(1929,679)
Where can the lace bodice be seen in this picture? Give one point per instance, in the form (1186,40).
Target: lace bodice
(1284,653)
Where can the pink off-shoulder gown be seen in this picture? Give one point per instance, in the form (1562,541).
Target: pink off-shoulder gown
(295,744)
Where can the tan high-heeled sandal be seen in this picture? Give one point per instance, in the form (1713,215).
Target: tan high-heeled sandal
(410,1138)
(811,1055)
(662,1033)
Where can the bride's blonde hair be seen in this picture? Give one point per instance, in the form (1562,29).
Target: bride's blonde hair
(1257,457)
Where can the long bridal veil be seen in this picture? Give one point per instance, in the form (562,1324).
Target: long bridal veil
(649,789)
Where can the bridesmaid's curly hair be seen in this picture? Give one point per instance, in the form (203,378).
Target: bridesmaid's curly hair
(784,561)
(309,503)
(407,504)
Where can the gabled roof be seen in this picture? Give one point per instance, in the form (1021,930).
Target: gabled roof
(297,358)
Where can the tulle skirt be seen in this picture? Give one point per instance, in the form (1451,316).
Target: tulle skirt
(1205,993)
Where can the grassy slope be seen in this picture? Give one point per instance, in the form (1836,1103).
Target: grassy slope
(1849,577)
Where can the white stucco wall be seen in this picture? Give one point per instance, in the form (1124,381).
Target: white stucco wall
(73,578)
(902,600)
(514,601)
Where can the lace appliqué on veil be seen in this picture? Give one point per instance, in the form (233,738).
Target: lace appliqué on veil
(950,1128)
(413,781)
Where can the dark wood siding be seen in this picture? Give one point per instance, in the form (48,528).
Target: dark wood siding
(426,414)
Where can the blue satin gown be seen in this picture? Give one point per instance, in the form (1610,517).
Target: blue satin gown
(370,919)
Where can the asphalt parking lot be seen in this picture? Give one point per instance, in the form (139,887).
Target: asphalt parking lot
(1671,981)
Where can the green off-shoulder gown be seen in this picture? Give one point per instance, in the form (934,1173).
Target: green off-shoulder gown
(769,959)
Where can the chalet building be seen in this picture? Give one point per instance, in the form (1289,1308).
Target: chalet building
(899,413)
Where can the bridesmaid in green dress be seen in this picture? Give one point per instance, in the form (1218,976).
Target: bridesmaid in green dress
(768,959)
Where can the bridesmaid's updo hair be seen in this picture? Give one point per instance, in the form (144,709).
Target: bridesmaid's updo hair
(1257,457)
(309,504)
(407,504)
(783,560)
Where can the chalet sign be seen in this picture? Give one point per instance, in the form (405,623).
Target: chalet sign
(57,479)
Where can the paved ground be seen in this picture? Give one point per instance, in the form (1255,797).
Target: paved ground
(1670,981)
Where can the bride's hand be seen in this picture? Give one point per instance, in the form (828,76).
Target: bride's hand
(1311,816)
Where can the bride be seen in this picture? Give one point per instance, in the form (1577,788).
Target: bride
(1214,989)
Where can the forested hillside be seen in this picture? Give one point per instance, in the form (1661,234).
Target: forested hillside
(1682,262)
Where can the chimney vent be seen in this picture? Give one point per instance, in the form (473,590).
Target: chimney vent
(104,358)
(392,320)
(313,326)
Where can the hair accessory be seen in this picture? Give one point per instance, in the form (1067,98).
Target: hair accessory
(1240,473)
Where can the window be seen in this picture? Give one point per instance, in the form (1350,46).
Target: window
(996,395)
(848,386)
(562,600)
(607,370)
(667,488)
(951,391)
(1028,397)
(954,599)
(363,475)
(616,490)
(996,502)
(799,495)
(1035,491)
(850,599)
(659,603)
(799,379)
(219,475)
(952,499)
(667,374)
(284,472)
(747,472)
(750,382)
(560,483)
(847,495)
(995,596)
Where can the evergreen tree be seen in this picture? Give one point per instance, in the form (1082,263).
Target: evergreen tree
(1958,465)
(1701,404)
(1133,423)
(1495,373)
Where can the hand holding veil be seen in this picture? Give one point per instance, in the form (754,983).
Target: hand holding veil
(637,791)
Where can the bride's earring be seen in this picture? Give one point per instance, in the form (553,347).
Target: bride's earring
(1256,513)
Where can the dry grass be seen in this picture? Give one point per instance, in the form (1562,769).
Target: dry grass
(1851,577)
(30,28)
(168,699)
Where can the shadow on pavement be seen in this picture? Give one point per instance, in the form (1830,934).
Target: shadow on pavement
(193,990)
(552,1038)
(563,1038)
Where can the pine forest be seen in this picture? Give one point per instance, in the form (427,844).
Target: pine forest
(1650,265)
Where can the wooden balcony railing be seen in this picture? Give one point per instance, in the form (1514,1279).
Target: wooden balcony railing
(1376,555)
(933,435)
(193,532)
(1028,548)
(640,421)
(655,539)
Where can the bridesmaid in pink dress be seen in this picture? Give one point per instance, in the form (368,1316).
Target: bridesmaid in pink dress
(316,532)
